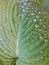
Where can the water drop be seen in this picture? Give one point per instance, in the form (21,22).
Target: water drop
(36,25)
(44,25)
(40,37)
(26,0)
(34,20)
(45,34)
(37,16)
(39,12)
(39,29)
(23,10)
(32,14)
(0,39)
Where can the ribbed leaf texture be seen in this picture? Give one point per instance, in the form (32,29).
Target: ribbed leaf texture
(46,5)
(24,32)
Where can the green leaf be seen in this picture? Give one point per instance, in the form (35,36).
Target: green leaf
(33,37)
(24,33)
(8,32)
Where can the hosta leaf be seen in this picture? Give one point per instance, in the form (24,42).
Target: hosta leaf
(24,33)
(34,36)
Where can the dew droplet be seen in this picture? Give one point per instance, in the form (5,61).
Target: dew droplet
(37,16)
(34,20)
(44,25)
(39,12)
(36,25)
(23,10)
(0,39)
(40,37)
(39,29)
(32,14)
(45,34)
(26,0)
